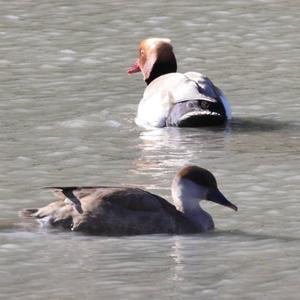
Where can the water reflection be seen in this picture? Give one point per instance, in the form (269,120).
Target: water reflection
(164,148)
(174,140)
(175,147)
(250,236)
(176,254)
(254,125)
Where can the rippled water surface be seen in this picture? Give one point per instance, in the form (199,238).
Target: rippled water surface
(66,115)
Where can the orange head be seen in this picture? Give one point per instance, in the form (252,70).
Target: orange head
(156,58)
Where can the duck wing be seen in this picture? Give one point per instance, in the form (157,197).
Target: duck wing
(173,97)
(207,88)
(111,211)
(183,225)
(74,193)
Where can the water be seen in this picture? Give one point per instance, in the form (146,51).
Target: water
(66,114)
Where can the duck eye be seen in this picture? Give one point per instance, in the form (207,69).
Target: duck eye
(204,104)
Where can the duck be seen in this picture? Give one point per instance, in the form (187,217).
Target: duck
(175,99)
(117,211)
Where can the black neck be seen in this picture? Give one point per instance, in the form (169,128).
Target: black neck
(161,68)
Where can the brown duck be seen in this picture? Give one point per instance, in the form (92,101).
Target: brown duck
(132,211)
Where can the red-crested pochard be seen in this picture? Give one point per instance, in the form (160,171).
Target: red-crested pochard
(132,211)
(175,99)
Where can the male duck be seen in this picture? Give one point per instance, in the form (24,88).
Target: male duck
(175,99)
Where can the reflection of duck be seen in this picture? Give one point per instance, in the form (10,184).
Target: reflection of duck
(126,211)
(175,99)
(161,149)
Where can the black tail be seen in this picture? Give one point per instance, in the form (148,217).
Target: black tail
(196,113)
(68,192)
